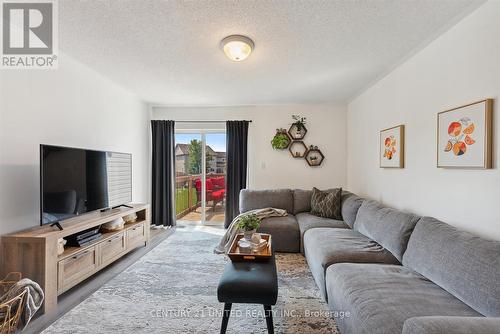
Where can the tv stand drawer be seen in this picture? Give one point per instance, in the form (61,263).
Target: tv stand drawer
(76,268)
(111,248)
(136,236)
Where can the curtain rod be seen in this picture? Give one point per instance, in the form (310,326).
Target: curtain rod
(209,121)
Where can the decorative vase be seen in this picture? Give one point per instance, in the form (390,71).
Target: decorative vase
(247,235)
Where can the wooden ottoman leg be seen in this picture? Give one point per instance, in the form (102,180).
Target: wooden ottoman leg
(269,319)
(225,317)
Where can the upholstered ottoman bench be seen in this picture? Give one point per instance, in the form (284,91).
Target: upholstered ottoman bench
(249,283)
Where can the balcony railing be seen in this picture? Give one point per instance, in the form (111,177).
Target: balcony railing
(187,198)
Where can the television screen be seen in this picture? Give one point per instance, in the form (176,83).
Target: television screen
(75,181)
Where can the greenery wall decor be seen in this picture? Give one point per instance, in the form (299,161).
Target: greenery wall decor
(280,141)
(293,140)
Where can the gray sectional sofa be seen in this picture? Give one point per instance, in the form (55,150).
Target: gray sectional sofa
(389,271)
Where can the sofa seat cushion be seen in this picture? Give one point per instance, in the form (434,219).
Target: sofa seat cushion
(389,227)
(326,246)
(455,325)
(218,195)
(284,231)
(463,264)
(379,298)
(308,221)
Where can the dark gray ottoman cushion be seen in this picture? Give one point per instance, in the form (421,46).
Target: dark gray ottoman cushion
(308,221)
(324,247)
(258,199)
(465,265)
(285,233)
(249,282)
(350,207)
(389,227)
(380,298)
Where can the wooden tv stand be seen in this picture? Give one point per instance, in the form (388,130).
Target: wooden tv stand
(33,252)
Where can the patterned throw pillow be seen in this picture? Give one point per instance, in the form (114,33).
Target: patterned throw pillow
(326,204)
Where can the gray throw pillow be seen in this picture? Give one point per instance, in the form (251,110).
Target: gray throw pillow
(326,204)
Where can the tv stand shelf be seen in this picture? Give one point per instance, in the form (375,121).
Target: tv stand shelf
(69,251)
(33,252)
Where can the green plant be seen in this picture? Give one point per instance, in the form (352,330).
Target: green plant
(299,122)
(280,140)
(249,222)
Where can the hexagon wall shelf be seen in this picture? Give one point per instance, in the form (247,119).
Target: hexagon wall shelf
(298,149)
(314,157)
(295,134)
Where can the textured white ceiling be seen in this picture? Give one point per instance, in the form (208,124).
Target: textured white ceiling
(309,51)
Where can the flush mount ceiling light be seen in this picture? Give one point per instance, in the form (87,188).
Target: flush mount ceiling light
(237,47)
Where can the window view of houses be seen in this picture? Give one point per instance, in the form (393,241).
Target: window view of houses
(188,159)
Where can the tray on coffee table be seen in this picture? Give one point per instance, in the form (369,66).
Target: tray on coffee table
(263,255)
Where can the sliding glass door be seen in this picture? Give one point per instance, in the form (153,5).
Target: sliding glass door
(215,190)
(200,185)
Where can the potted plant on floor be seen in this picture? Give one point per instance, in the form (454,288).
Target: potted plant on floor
(249,224)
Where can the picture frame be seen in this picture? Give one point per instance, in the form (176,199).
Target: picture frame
(464,136)
(392,147)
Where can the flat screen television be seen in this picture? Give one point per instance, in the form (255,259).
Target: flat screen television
(74,181)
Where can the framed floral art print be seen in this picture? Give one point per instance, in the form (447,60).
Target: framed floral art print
(392,142)
(464,136)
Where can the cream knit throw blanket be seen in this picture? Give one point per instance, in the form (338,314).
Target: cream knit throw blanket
(233,229)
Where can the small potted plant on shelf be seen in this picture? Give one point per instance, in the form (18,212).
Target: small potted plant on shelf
(298,128)
(299,122)
(280,140)
(249,224)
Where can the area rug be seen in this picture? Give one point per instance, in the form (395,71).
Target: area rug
(172,289)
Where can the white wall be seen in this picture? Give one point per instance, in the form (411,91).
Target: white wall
(71,106)
(461,66)
(269,168)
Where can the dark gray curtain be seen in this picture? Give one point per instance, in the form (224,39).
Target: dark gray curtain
(236,179)
(163,199)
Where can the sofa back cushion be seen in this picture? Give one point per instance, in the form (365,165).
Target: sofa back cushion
(301,200)
(465,265)
(209,185)
(218,182)
(258,199)
(389,227)
(350,207)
